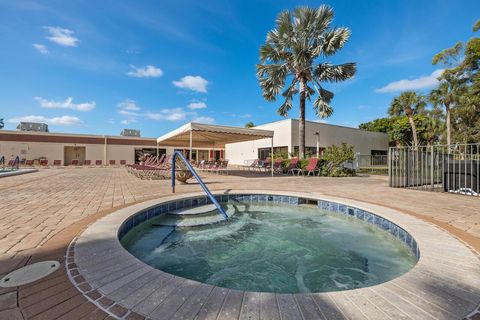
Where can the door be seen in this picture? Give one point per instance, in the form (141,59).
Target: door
(74,153)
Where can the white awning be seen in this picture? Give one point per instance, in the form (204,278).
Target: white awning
(209,135)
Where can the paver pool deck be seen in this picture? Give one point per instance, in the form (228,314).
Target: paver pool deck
(40,214)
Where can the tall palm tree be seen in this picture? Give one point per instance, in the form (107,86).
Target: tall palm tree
(290,55)
(445,95)
(408,103)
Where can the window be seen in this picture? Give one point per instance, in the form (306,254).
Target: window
(264,153)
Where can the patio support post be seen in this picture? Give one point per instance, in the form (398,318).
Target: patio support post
(271,159)
(157,150)
(190,152)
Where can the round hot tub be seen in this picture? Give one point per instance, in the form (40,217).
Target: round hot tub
(270,243)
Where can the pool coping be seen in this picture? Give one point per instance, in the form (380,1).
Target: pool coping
(96,255)
(17,172)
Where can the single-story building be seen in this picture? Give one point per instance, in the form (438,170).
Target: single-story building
(36,145)
(286,139)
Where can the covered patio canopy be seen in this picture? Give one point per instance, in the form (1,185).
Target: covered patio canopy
(198,135)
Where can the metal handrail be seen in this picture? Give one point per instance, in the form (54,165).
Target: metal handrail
(2,161)
(200,181)
(16,163)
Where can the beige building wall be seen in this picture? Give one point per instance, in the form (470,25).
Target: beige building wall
(286,134)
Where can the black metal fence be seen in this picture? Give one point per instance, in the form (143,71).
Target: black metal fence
(443,168)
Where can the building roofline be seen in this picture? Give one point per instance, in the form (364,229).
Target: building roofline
(79,135)
(319,123)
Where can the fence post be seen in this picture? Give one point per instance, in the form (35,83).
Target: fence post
(389,159)
(432,163)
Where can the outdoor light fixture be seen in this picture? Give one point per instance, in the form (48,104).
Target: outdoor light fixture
(317,133)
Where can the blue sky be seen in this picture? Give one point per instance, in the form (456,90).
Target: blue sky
(100,66)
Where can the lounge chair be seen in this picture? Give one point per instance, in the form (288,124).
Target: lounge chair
(293,166)
(44,162)
(265,165)
(57,163)
(74,162)
(28,163)
(87,163)
(98,162)
(251,166)
(111,163)
(277,165)
(310,168)
(123,162)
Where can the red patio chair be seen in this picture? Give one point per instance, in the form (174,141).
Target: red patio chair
(310,168)
(74,162)
(123,162)
(28,163)
(44,162)
(87,162)
(57,162)
(111,162)
(293,166)
(98,162)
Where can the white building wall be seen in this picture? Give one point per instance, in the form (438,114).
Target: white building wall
(286,134)
(238,153)
(362,140)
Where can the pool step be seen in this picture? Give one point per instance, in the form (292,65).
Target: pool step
(194,211)
(191,220)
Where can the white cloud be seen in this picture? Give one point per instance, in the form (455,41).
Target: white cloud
(197,105)
(66,104)
(194,83)
(61,36)
(174,114)
(145,72)
(61,121)
(128,104)
(422,82)
(208,120)
(246,116)
(41,48)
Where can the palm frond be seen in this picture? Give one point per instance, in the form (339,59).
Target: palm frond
(334,40)
(335,73)
(322,108)
(285,107)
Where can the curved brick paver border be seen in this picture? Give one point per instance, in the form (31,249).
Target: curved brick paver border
(445,283)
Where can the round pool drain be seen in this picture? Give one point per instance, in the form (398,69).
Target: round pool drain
(28,274)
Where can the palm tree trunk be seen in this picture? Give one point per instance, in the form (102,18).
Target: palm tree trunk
(301,124)
(414,131)
(447,120)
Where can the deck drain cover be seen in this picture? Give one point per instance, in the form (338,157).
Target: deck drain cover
(28,274)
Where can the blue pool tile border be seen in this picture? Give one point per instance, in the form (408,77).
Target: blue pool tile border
(369,217)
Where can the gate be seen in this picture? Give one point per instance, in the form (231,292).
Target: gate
(442,168)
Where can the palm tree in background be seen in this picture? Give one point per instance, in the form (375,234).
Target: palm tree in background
(408,103)
(289,62)
(1,124)
(445,95)
(249,124)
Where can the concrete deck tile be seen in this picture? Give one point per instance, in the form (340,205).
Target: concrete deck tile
(268,306)
(346,306)
(389,309)
(174,300)
(308,307)
(327,307)
(11,314)
(141,293)
(151,302)
(60,309)
(368,308)
(211,308)
(191,307)
(404,305)
(8,300)
(438,311)
(132,286)
(231,305)
(250,306)
(288,307)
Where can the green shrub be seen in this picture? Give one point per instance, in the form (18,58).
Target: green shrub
(333,158)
